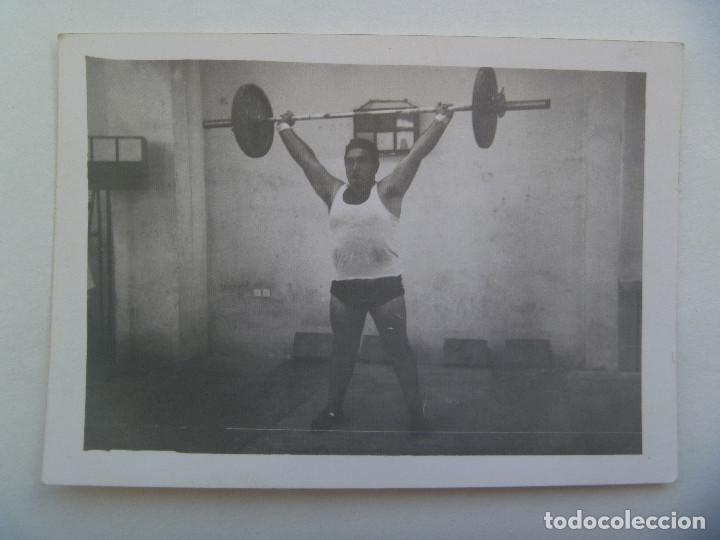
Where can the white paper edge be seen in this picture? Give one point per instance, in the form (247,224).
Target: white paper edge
(65,461)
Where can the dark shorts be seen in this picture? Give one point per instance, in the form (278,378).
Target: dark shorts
(367,293)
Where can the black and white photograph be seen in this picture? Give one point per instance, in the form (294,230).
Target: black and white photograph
(388,270)
(372,257)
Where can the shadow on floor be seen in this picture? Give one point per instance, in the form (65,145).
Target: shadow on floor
(266,407)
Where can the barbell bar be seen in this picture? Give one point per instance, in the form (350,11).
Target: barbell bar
(252,117)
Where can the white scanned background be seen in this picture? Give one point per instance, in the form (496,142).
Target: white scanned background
(30,510)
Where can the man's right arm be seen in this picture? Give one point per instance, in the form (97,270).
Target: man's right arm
(324,183)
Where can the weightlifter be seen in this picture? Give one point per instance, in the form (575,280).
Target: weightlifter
(364,216)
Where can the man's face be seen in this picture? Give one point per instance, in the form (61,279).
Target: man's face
(360,168)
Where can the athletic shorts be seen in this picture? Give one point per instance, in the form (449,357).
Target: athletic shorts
(367,294)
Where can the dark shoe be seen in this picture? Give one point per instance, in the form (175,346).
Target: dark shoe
(326,420)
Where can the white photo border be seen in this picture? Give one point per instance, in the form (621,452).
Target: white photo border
(65,460)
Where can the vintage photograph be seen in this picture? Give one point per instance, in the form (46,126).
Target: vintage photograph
(440,282)
(326,258)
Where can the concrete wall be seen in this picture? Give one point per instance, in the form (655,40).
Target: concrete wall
(159,229)
(528,239)
(521,240)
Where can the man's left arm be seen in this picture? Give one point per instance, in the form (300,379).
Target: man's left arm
(398,181)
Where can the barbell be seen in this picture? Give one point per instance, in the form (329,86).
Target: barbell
(252,117)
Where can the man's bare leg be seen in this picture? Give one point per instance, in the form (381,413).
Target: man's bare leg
(347,325)
(391,322)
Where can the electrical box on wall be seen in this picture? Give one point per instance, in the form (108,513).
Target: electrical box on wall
(117,162)
(393,133)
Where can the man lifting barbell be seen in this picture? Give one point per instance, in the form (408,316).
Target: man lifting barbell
(364,216)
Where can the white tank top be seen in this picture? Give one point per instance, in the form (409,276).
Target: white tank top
(364,238)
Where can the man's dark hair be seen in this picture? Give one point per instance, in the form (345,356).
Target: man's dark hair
(366,145)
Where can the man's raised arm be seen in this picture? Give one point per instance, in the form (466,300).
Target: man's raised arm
(324,183)
(398,181)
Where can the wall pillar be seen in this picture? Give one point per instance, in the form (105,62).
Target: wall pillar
(603,140)
(191,213)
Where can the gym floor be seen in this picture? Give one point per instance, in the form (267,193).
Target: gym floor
(266,407)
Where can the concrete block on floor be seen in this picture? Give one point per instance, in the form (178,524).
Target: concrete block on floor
(372,351)
(466,353)
(604,401)
(526,354)
(308,345)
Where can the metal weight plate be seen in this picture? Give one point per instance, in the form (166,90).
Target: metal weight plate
(484,117)
(250,109)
